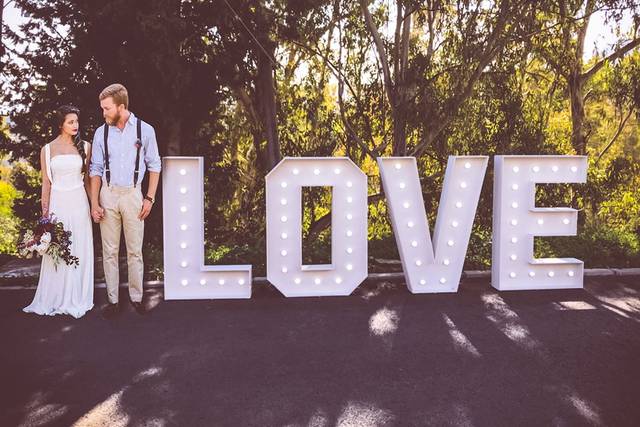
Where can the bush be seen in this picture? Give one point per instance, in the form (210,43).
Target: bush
(598,245)
(8,222)
(26,180)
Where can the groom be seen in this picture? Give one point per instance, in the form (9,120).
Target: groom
(123,149)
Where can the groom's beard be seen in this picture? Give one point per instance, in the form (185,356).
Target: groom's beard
(114,121)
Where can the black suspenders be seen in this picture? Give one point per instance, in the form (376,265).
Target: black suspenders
(138,145)
(106,153)
(136,172)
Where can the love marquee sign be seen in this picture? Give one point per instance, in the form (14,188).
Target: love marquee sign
(431,264)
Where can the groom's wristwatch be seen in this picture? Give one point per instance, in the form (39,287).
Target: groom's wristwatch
(149,198)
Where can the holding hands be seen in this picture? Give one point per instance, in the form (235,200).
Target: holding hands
(97,213)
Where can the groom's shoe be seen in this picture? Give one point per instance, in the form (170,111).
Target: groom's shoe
(139,307)
(110,311)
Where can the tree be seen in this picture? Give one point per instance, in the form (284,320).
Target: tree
(623,88)
(77,48)
(560,40)
(427,79)
(250,35)
(151,47)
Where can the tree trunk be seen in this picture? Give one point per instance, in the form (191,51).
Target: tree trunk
(400,128)
(576,83)
(576,89)
(266,102)
(401,108)
(257,137)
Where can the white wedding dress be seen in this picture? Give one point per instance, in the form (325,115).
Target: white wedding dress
(67,289)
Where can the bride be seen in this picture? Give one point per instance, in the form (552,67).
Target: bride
(66,289)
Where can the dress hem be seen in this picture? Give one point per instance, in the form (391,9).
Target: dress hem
(74,313)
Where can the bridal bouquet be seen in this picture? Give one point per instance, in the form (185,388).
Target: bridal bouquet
(48,237)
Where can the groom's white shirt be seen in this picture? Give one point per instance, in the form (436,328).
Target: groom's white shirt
(122,152)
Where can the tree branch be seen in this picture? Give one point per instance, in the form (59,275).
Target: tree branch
(623,122)
(245,100)
(406,34)
(494,43)
(364,5)
(619,53)
(335,69)
(345,121)
(396,41)
(323,222)
(347,124)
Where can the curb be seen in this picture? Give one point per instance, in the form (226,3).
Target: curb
(385,277)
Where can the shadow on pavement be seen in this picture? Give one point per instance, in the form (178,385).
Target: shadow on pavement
(380,357)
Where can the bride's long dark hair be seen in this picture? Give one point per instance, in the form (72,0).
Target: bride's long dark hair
(61,115)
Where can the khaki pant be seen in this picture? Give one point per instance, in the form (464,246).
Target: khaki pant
(122,206)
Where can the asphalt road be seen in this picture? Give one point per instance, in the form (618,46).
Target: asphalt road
(381,357)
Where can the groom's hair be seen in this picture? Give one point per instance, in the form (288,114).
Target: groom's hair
(118,92)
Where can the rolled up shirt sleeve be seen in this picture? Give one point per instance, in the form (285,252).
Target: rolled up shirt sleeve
(151,154)
(96,168)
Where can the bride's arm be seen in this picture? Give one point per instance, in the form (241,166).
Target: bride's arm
(46,184)
(87,180)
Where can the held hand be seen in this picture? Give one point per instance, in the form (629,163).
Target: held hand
(146,209)
(97,213)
